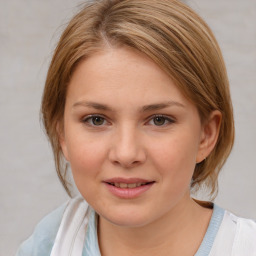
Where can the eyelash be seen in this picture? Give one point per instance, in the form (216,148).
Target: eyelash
(167,120)
(89,120)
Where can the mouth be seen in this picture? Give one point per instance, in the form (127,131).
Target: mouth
(129,185)
(128,188)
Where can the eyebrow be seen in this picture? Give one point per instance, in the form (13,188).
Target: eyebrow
(160,106)
(146,108)
(94,105)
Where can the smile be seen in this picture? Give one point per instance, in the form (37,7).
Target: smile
(128,188)
(128,185)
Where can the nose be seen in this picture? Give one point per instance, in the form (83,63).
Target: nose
(127,148)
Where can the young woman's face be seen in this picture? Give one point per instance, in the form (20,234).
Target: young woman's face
(132,139)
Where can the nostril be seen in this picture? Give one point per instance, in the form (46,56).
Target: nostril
(126,164)
(127,155)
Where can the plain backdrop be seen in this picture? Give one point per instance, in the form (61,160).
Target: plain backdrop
(29,187)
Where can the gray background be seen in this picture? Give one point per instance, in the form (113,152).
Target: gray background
(29,187)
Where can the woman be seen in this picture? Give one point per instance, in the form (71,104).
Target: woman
(137,102)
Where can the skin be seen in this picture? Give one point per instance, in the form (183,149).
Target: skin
(127,141)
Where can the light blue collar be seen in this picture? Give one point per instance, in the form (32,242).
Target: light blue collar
(91,247)
(212,230)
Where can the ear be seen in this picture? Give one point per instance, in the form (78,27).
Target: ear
(62,140)
(209,136)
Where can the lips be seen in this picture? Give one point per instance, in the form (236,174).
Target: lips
(128,188)
(127,185)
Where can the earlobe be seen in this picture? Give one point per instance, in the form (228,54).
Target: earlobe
(62,140)
(210,134)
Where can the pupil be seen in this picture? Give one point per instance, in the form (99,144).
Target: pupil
(97,120)
(159,120)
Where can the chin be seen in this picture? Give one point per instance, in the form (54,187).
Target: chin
(128,222)
(127,218)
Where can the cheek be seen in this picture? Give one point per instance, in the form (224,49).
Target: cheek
(86,156)
(86,161)
(175,158)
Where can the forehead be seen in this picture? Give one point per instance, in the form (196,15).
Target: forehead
(120,74)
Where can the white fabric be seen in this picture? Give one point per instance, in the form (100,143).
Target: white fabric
(71,234)
(236,237)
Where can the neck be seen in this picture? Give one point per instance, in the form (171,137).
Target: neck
(178,232)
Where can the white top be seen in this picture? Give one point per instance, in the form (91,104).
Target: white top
(236,237)
(75,234)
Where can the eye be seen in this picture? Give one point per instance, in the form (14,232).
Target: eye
(94,120)
(160,120)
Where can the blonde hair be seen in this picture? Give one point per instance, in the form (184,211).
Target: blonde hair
(174,37)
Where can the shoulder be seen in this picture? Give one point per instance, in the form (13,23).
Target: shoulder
(245,233)
(42,239)
(236,236)
(243,226)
